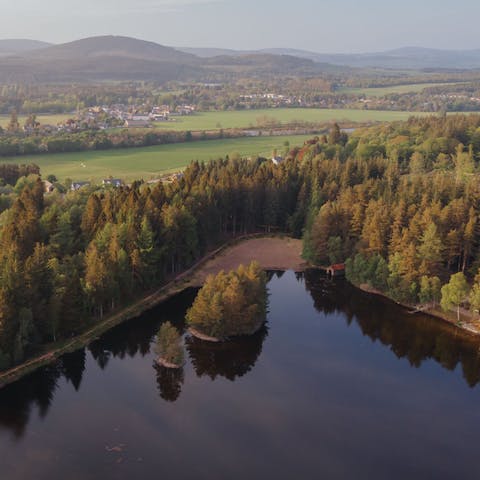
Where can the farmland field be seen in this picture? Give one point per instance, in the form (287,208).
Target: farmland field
(148,162)
(382,91)
(254,118)
(43,119)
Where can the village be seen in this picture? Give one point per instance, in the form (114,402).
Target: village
(109,117)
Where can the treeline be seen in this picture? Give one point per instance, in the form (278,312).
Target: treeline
(11,172)
(66,98)
(23,144)
(378,80)
(65,261)
(399,204)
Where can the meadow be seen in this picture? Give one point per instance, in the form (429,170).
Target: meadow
(399,89)
(255,118)
(149,162)
(44,119)
(251,118)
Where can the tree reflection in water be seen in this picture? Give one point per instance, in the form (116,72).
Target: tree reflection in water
(169,382)
(416,337)
(230,359)
(17,400)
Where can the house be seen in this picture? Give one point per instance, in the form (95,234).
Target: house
(159,117)
(48,187)
(277,160)
(185,110)
(137,123)
(336,270)
(78,185)
(115,182)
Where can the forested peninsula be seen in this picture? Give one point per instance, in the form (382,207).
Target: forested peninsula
(398,203)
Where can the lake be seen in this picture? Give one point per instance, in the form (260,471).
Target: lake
(337,385)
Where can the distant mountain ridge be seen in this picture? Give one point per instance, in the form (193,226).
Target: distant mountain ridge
(406,57)
(15,46)
(124,58)
(118,58)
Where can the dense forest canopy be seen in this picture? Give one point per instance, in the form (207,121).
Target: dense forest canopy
(399,200)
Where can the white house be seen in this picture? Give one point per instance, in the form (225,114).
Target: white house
(115,182)
(78,185)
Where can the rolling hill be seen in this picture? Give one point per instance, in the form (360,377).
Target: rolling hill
(122,58)
(114,46)
(100,58)
(14,47)
(117,58)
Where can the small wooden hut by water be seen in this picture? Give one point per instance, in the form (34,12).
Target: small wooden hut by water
(336,270)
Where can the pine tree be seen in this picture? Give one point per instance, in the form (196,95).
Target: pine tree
(91,220)
(39,285)
(13,124)
(430,251)
(98,279)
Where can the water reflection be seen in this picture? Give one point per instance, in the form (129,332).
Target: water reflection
(416,338)
(17,400)
(135,336)
(73,366)
(413,337)
(169,382)
(230,360)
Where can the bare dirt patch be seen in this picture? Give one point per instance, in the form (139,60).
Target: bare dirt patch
(271,253)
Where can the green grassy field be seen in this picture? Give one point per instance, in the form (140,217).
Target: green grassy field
(382,91)
(43,119)
(148,162)
(249,118)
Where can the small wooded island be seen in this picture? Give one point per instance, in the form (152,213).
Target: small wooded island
(230,304)
(169,347)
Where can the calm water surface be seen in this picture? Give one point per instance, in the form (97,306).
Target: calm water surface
(338,385)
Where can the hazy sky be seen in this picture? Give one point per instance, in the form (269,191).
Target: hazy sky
(319,25)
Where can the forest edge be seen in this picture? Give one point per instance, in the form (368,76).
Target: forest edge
(216,260)
(221,258)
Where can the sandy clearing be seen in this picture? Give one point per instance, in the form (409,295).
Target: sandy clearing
(272,253)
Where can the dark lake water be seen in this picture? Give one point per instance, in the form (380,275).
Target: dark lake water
(338,385)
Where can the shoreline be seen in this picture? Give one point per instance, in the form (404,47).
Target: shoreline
(192,277)
(201,336)
(161,362)
(207,338)
(433,312)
